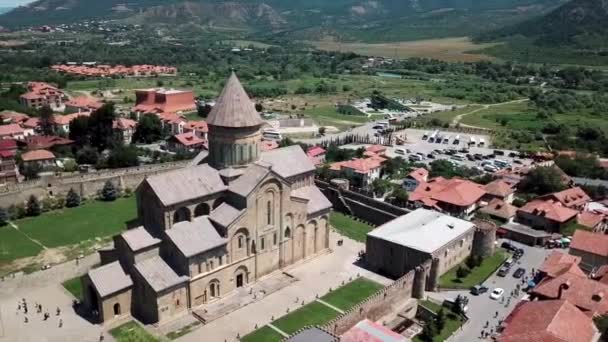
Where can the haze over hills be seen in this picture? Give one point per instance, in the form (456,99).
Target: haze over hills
(345,19)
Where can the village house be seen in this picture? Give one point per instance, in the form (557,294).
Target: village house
(43,158)
(117,70)
(316,154)
(44,142)
(186,142)
(499,210)
(415,178)
(40,94)
(457,197)
(61,123)
(596,221)
(175,123)
(499,189)
(126,127)
(591,247)
(573,198)
(558,263)
(163,101)
(14,131)
(548,320)
(10,117)
(214,228)
(82,104)
(33,124)
(361,171)
(200,128)
(546,214)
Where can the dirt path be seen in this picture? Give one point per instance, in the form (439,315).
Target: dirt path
(27,236)
(459,117)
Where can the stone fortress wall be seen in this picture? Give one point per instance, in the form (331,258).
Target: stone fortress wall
(86,184)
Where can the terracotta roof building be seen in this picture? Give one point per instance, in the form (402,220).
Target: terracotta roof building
(545,214)
(8,116)
(159,101)
(126,127)
(455,196)
(499,189)
(200,128)
(316,154)
(369,331)
(42,94)
(499,209)
(596,221)
(574,198)
(42,158)
(61,123)
(363,171)
(415,178)
(83,104)
(548,321)
(13,131)
(558,263)
(591,247)
(45,142)
(186,142)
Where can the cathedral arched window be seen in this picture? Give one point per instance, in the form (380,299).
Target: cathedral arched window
(269,212)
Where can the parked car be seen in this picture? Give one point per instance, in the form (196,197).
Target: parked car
(479,289)
(430,156)
(497,293)
(470,157)
(478,156)
(517,161)
(490,168)
(512,154)
(519,273)
(503,271)
(508,246)
(400,151)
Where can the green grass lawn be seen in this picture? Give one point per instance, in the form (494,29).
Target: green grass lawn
(132,332)
(430,305)
(73,225)
(477,275)
(311,314)
(15,245)
(352,293)
(452,323)
(74,286)
(264,334)
(349,227)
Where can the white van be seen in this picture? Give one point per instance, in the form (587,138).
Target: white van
(400,151)
(415,157)
(272,135)
(458,157)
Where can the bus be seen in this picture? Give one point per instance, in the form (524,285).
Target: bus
(472,141)
(457,140)
(446,139)
(425,136)
(272,135)
(482,142)
(501,163)
(433,136)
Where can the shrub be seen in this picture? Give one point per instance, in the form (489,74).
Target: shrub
(440,320)
(3,216)
(462,272)
(33,207)
(109,192)
(73,199)
(473,261)
(47,204)
(59,203)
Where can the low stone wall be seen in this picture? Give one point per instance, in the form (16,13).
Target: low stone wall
(87,184)
(387,300)
(360,206)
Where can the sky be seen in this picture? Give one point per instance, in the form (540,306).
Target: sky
(13,3)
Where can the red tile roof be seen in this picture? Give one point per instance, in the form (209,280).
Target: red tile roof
(499,188)
(10,130)
(369,331)
(84,102)
(37,155)
(66,119)
(595,243)
(499,208)
(315,151)
(590,219)
(455,191)
(571,198)
(45,142)
(558,263)
(587,294)
(550,209)
(31,123)
(8,144)
(188,139)
(358,165)
(14,117)
(197,126)
(268,145)
(420,174)
(124,124)
(377,149)
(547,321)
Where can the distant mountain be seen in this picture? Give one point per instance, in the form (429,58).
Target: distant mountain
(5,9)
(578,23)
(348,19)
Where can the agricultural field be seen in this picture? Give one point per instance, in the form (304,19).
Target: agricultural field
(447,49)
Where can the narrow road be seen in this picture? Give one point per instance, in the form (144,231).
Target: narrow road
(459,117)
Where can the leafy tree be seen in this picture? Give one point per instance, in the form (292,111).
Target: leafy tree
(109,192)
(149,129)
(322,130)
(400,196)
(204,110)
(33,207)
(87,155)
(70,166)
(79,131)
(473,261)
(462,272)
(4,218)
(542,180)
(73,199)
(46,120)
(396,168)
(31,171)
(429,331)
(440,320)
(381,186)
(287,141)
(101,128)
(123,156)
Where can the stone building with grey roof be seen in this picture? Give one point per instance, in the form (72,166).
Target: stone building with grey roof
(211,228)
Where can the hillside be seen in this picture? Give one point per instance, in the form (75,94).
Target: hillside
(5,9)
(367,20)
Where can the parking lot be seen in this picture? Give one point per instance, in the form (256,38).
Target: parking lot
(482,308)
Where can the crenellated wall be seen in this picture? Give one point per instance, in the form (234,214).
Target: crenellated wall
(86,184)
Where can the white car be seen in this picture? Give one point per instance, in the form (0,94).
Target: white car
(497,293)
(400,151)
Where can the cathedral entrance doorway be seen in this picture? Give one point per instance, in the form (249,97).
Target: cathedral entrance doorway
(239,280)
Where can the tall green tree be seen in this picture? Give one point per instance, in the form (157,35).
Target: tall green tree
(149,130)
(123,156)
(72,200)
(109,192)
(101,128)
(33,206)
(3,216)
(46,120)
(542,180)
(79,131)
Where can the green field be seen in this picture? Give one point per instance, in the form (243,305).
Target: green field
(452,323)
(132,332)
(477,276)
(74,286)
(352,293)
(263,334)
(15,245)
(349,227)
(311,314)
(95,219)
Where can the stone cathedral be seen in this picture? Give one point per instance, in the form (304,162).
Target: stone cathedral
(210,229)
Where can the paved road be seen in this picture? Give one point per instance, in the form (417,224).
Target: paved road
(458,118)
(482,308)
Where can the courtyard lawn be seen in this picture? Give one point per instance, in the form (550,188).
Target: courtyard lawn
(452,323)
(430,305)
(477,276)
(70,226)
(264,334)
(132,332)
(74,286)
(311,314)
(15,245)
(352,293)
(349,227)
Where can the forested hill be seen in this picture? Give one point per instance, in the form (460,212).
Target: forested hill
(286,15)
(579,23)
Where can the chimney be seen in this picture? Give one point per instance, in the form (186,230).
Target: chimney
(562,287)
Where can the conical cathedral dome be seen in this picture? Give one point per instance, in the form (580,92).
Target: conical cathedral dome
(234,108)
